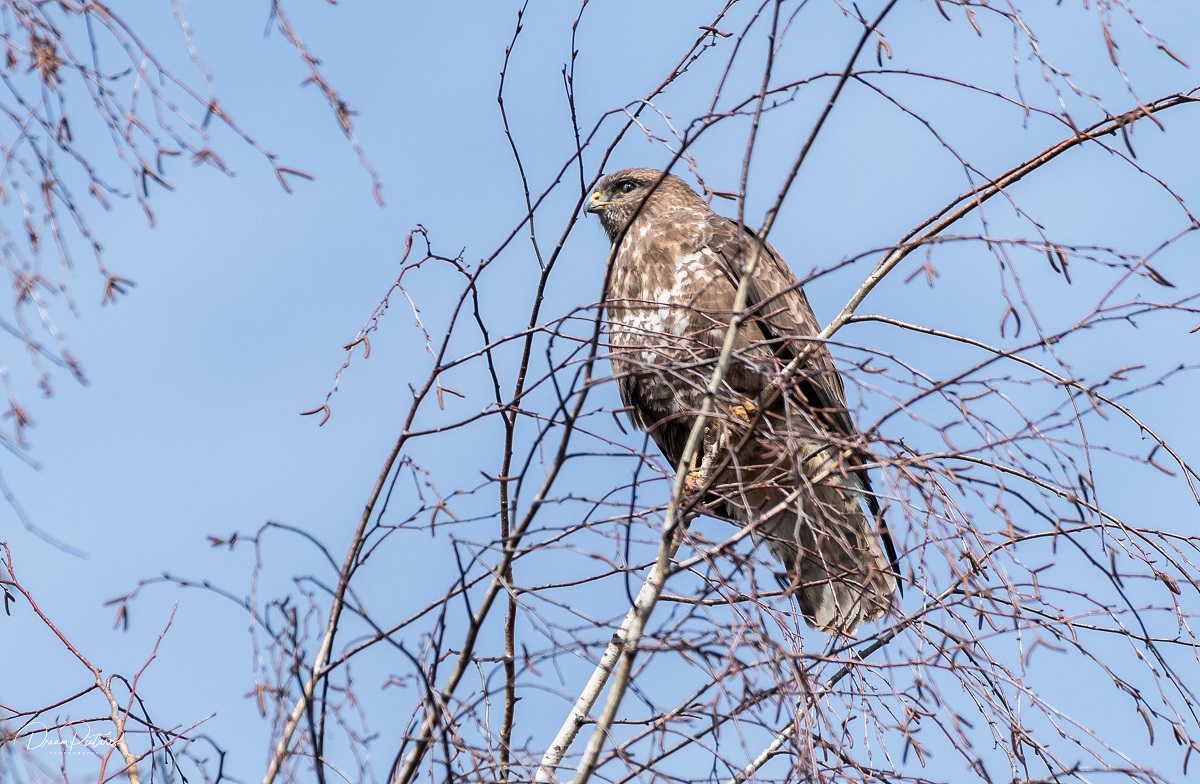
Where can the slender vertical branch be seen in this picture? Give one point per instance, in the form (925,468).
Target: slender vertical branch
(623,648)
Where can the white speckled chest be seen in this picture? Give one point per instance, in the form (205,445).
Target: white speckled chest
(660,307)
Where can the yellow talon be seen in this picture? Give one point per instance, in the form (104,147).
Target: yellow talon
(744,412)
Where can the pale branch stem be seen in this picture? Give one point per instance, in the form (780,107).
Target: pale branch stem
(634,621)
(117,715)
(626,639)
(630,630)
(640,613)
(578,716)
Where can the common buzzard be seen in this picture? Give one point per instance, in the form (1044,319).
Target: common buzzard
(795,471)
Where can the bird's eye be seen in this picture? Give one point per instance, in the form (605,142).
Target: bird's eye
(626,186)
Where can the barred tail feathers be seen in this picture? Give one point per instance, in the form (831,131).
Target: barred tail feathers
(830,550)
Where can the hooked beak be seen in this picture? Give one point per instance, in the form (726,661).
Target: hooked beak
(597,204)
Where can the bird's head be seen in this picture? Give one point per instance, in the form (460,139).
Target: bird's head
(618,197)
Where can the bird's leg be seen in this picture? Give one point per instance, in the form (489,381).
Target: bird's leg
(716,439)
(715,436)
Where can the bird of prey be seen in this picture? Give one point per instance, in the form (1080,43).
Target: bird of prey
(793,460)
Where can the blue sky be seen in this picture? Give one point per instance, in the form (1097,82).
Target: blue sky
(189,424)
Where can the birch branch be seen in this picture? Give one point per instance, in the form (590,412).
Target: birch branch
(626,638)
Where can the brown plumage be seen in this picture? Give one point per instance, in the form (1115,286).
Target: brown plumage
(799,477)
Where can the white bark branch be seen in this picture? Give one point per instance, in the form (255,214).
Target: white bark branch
(626,639)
